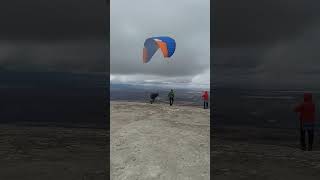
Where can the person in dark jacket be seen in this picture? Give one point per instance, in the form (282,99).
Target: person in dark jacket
(307,120)
(171,97)
(153,97)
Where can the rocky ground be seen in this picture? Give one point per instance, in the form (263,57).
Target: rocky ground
(265,154)
(159,142)
(50,153)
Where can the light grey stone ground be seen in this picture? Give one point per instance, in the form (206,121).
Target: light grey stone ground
(159,142)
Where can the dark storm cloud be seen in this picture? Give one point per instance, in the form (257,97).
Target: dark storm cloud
(239,58)
(267,43)
(235,66)
(295,62)
(73,56)
(60,35)
(254,22)
(44,20)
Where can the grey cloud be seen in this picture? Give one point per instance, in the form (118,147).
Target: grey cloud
(250,22)
(290,64)
(60,35)
(234,66)
(47,20)
(294,63)
(269,44)
(79,56)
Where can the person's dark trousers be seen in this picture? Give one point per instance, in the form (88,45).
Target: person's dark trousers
(302,139)
(205,105)
(310,139)
(171,101)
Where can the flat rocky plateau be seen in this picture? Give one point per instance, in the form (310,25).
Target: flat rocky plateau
(160,142)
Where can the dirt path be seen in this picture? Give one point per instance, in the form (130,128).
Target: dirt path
(159,142)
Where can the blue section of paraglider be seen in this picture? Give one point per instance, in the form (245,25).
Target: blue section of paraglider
(171,44)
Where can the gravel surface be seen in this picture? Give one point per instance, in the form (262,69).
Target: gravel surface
(156,141)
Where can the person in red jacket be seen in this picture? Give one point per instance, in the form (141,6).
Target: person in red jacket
(307,120)
(205,98)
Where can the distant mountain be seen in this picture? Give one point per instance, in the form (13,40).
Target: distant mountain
(138,92)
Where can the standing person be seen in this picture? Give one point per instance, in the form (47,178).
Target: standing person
(171,97)
(205,98)
(307,120)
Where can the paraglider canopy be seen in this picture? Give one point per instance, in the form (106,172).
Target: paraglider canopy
(151,45)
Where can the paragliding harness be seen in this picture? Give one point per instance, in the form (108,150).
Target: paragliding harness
(153,97)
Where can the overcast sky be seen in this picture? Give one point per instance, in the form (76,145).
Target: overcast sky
(187,21)
(266,44)
(255,43)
